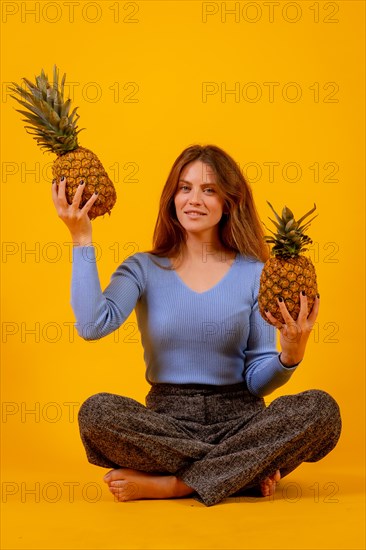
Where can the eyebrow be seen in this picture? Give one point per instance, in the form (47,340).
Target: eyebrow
(186,181)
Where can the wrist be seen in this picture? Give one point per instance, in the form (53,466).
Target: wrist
(82,241)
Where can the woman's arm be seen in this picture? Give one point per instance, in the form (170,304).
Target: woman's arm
(264,371)
(265,368)
(97,313)
(294,335)
(100,313)
(75,218)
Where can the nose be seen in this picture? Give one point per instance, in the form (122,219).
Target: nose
(194,199)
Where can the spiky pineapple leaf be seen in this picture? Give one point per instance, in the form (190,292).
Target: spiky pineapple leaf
(62,88)
(278,218)
(307,214)
(307,224)
(275,223)
(48,113)
(287,215)
(289,224)
(289,240)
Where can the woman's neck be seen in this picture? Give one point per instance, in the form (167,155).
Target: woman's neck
(205,253)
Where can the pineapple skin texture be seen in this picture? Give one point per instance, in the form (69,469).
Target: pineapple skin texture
(83,164)
(286,278)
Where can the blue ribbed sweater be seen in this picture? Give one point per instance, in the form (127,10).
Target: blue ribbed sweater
(214,337)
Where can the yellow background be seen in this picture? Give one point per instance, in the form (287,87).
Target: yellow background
(166,53)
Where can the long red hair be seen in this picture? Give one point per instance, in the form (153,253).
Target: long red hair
(240,230)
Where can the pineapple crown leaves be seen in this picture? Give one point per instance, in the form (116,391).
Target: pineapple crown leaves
(290,239)
(48,113)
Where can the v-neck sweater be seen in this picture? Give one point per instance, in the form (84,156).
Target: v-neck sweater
(215,337)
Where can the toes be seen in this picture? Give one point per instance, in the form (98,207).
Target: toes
(118,483)
(118,493)
(106,477)
(265,486)
(124,490)
(114,475)
(268,485)
(277,476)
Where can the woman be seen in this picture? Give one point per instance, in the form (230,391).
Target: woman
(210,358)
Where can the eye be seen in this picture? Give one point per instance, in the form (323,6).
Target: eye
(209,189)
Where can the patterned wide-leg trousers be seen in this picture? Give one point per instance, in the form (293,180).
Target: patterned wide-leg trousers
(218,439)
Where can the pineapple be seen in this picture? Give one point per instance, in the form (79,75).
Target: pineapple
(55,130)
(288,272)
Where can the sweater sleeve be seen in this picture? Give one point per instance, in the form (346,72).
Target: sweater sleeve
(100,313)
(263,370)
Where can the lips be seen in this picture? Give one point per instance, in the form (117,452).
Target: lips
(195,212)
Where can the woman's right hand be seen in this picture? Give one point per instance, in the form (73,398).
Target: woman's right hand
(76,219)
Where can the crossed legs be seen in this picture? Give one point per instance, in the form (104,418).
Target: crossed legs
(153,455)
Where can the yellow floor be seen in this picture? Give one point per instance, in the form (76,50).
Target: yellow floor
(313,508)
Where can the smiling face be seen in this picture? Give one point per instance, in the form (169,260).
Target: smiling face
(198,204)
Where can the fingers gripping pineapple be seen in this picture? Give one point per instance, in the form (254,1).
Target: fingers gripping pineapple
(50,120)
(289,272)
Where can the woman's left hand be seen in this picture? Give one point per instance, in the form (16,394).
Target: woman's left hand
(294,334)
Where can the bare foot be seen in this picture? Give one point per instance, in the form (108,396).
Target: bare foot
(127,484)
(268,485)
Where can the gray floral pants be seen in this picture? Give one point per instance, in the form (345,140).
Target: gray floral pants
(218,439)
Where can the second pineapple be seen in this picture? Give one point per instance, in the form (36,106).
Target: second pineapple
(289,272)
